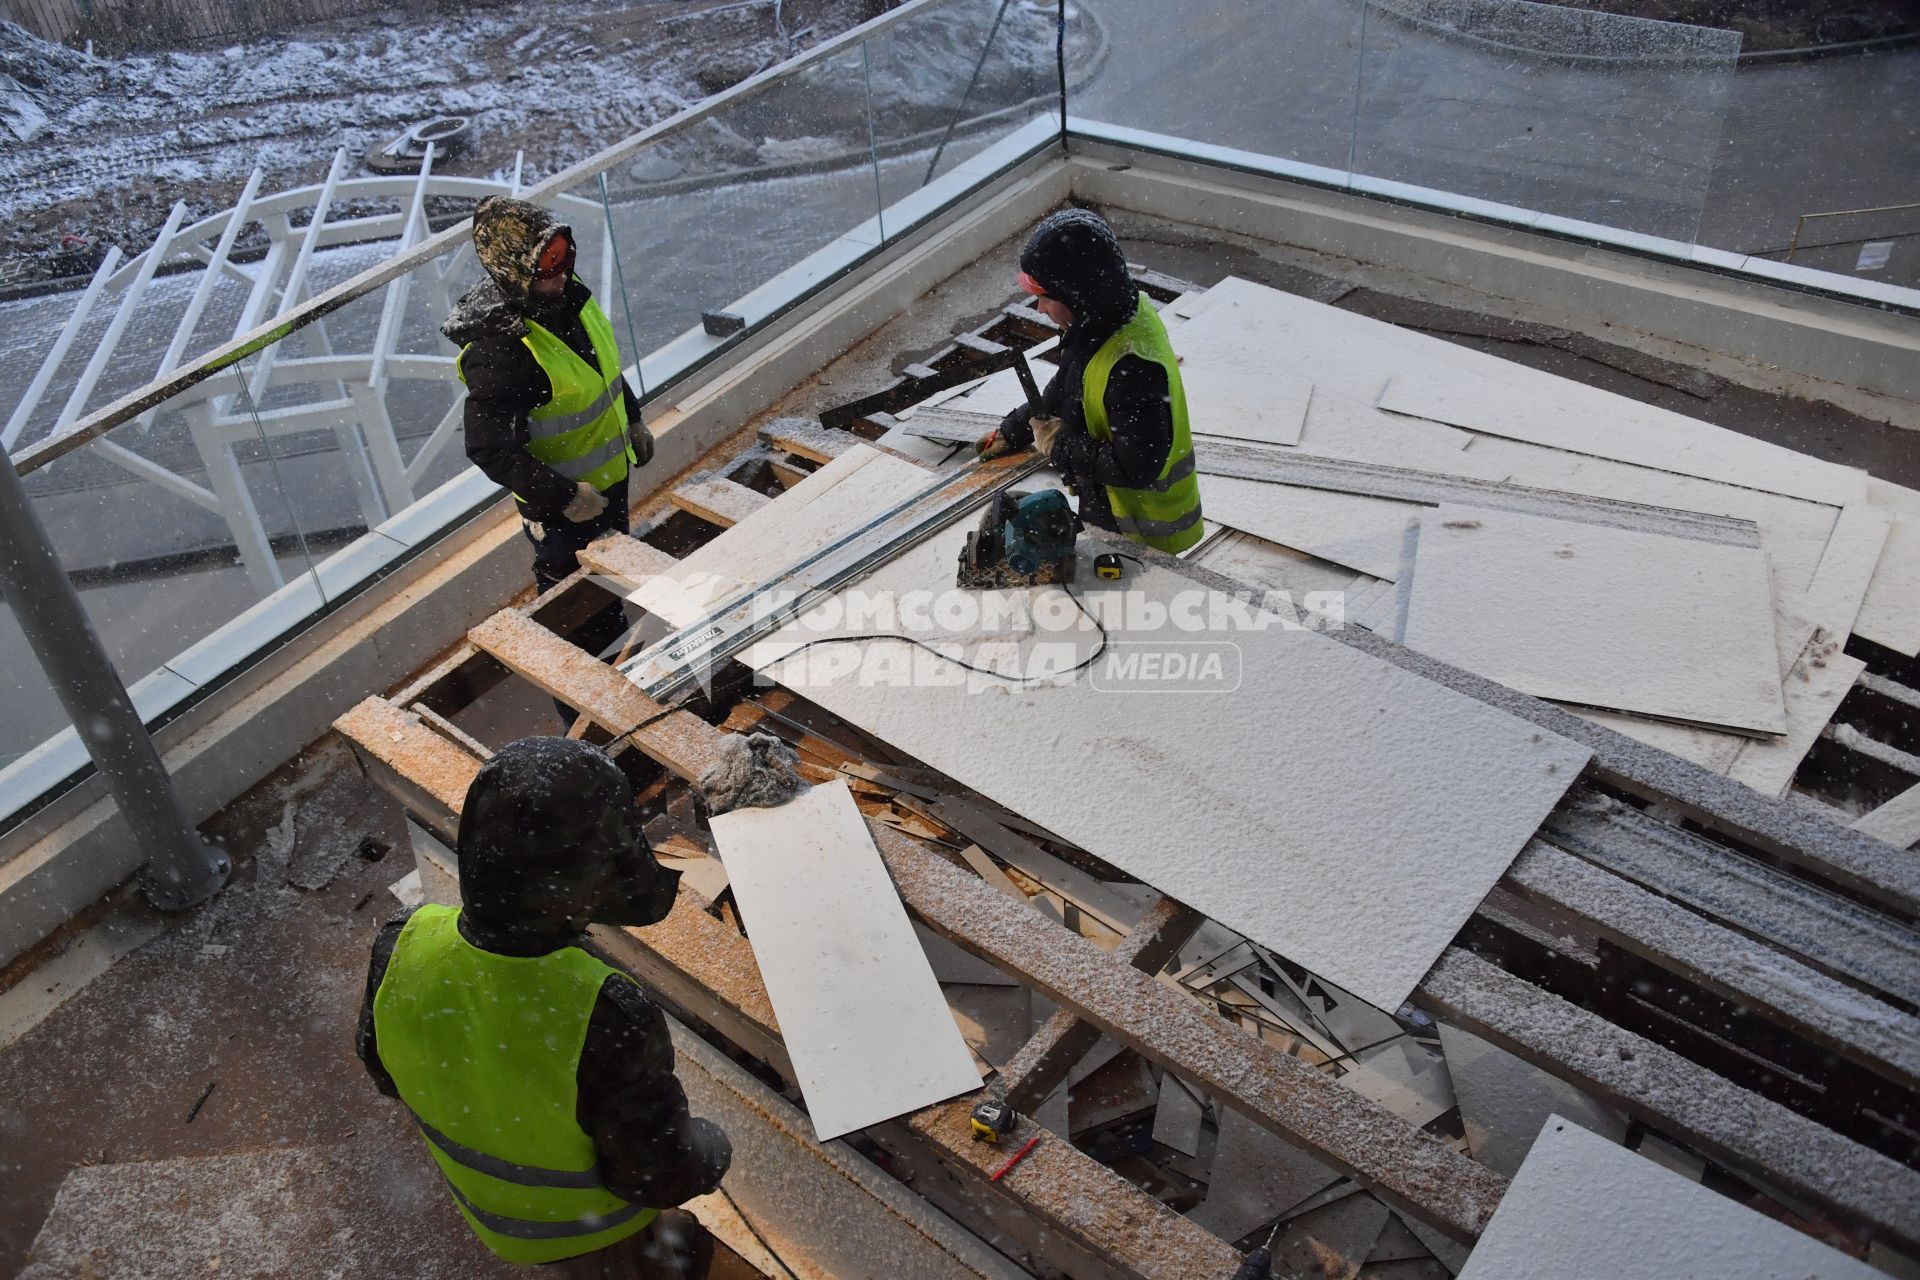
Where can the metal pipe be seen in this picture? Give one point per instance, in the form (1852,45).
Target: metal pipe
(182,869)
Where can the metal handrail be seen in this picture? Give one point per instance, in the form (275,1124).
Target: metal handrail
(1800,225)
(158,392)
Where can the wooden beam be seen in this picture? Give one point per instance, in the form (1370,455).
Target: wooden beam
(625,559)
(807,438)
(1834,934)
(1044,1061)
(1737,1128)
(678,739)
(718,500)
(1409,1169)
(1773,985)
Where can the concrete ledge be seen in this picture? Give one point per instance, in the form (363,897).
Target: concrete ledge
(1861,357)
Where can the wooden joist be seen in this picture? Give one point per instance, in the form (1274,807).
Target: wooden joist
(1773,985)
(1044,1061)
(717,500)
(627,560)
(1733,1126)
(805,438)
(1833,934)
(677,739)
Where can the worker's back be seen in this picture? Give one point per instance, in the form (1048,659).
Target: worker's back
(484,1050)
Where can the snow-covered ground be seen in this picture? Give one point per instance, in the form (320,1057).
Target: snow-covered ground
(100,147)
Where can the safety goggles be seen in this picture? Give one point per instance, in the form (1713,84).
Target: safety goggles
(556,259)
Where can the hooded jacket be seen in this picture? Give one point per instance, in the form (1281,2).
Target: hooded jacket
(1075,257)
(504,382)
(548,841)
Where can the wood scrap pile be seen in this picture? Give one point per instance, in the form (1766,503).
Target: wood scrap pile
(1697,589)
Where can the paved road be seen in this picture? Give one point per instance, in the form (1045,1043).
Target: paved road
(1737,153)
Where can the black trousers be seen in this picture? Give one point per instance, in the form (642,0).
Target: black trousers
(556,547)
(675,1247)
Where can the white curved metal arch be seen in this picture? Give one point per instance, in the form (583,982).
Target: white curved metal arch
(344,393)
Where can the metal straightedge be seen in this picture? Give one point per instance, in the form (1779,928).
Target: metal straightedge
(688,657)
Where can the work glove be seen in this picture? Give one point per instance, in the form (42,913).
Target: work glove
(1045,432)
(641,440)
(587,503)
(992,445)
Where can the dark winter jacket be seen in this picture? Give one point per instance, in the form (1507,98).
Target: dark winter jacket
(652,1151)
(1076,258)
(505,384)
(504,381)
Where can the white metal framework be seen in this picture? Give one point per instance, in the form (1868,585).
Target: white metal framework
(341,392)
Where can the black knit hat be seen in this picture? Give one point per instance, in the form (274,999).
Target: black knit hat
(549,839)
(1074,256)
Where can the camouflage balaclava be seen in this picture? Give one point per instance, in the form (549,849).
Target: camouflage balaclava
(508,237)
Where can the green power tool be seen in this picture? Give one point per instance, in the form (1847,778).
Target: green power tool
(1024,540)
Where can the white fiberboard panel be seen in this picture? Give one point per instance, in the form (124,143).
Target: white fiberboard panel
(1228,369)
(1357,530)
(1604,617)
(1890,615)
(1241,804)
(1582,1207)
(860,1011)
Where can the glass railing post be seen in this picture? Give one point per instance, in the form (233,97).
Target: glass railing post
(182,869)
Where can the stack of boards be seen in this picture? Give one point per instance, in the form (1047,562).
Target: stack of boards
(1679,582)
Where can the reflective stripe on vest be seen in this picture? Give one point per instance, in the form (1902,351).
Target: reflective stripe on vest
(526,1175)
(1165,514)
(485,1051)
(582,431)
(531,1229)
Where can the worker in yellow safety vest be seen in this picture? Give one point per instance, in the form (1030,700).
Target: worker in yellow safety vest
(540,1077)
(1113,420)
(549,415)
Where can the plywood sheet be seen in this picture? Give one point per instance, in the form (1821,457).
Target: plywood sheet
(1233,386)
(1897,821)
(1360,532)
(1176,1121)
(860,1011)
(1793,532)
(1000,393)
(1346,359)
(1604,617)
(1241,804)
(1890,613)
(1708,748)
(829,503)
(1581,1206)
